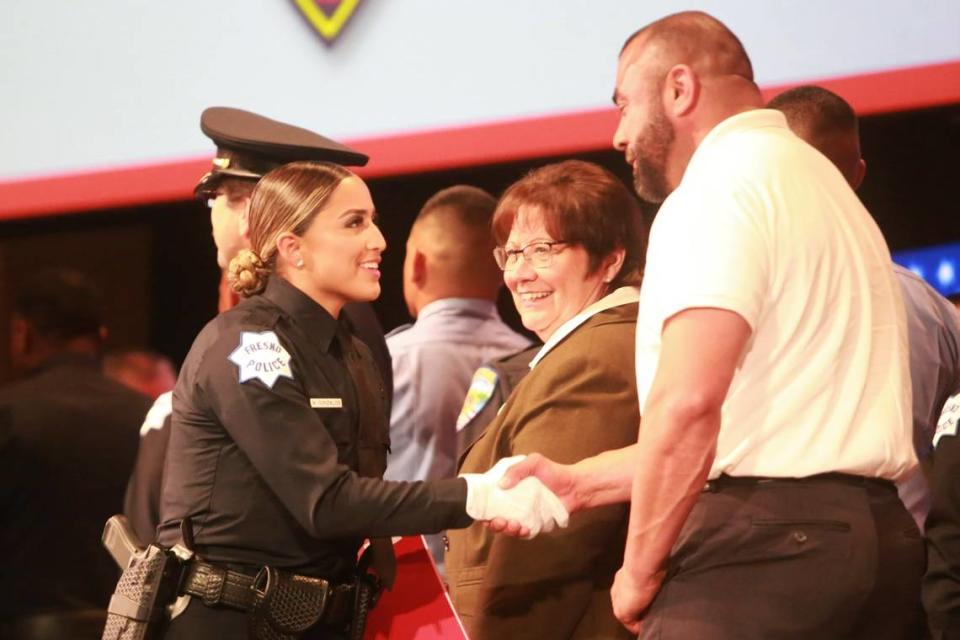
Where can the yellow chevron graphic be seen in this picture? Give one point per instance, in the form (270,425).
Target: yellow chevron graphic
(328,27)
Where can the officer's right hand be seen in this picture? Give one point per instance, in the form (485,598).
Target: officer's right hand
(529,504)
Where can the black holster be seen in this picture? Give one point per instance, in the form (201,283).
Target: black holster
(286,605)
(368,590)
(137,610)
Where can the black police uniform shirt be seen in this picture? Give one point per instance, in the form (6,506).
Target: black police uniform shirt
(265,446)
(141,503)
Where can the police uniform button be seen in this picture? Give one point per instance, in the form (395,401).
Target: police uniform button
(446,543)
(800,537)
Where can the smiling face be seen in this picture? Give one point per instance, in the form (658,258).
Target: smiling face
(546,297)
(340,250)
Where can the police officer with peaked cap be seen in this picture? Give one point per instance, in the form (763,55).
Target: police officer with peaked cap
(248,146)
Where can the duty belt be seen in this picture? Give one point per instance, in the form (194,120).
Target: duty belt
(219,585)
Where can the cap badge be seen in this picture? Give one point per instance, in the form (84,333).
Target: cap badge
(221,163)
(327,16)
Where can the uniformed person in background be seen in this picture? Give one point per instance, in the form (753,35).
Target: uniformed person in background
(830,125)
(941,584)
(68,436)
(450,285)
(248,145)
(279,433)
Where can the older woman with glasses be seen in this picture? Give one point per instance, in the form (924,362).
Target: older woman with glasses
(571,248)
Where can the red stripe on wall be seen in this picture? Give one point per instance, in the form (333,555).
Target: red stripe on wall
(94,190)
(894,90)
(885,91)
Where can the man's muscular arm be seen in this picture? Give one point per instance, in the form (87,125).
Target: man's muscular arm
(700,351)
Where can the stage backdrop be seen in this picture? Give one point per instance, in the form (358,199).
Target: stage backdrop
(101,100)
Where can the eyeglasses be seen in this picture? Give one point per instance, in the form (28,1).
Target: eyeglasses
(538,255)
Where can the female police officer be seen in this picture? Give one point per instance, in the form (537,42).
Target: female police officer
(279,430)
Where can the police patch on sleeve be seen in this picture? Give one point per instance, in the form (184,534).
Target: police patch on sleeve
(261,356)
(947,425)
(478,395)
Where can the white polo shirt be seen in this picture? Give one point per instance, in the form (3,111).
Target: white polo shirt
(765,226)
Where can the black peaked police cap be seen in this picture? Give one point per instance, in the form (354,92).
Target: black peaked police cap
(249,145)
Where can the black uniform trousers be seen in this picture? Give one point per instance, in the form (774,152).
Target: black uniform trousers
(200,622)
(821,557)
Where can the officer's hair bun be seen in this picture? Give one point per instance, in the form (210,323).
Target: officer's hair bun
(247,273)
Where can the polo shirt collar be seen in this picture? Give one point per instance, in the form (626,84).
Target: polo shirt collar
(460,306)
(751,119)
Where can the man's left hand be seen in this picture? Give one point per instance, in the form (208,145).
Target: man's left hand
(632,597)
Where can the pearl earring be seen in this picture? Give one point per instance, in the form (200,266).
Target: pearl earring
(300,263)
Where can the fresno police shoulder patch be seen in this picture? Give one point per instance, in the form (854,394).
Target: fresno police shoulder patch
(947,425)
(478,395)
(261,356)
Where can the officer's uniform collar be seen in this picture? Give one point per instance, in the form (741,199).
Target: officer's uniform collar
(303,311)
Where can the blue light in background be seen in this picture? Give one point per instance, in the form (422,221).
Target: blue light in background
(938,265)
(946,274)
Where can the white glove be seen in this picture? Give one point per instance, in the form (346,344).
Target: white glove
(530,503)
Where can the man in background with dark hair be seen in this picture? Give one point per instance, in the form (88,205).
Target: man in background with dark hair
(68,437)
(450,284)
(829,124)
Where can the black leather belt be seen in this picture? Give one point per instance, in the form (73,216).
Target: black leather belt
(725,481)
(218,585)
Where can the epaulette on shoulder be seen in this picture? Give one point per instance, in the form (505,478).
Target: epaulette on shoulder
(524,356)
(255,312)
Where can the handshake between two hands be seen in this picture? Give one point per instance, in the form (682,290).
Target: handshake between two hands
(528,508)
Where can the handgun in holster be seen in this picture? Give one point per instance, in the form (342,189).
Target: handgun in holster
(148,585)
(368,588)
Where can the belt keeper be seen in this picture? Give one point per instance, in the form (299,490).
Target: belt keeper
(214,579)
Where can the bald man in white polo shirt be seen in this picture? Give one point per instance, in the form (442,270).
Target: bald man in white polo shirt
(771,368)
